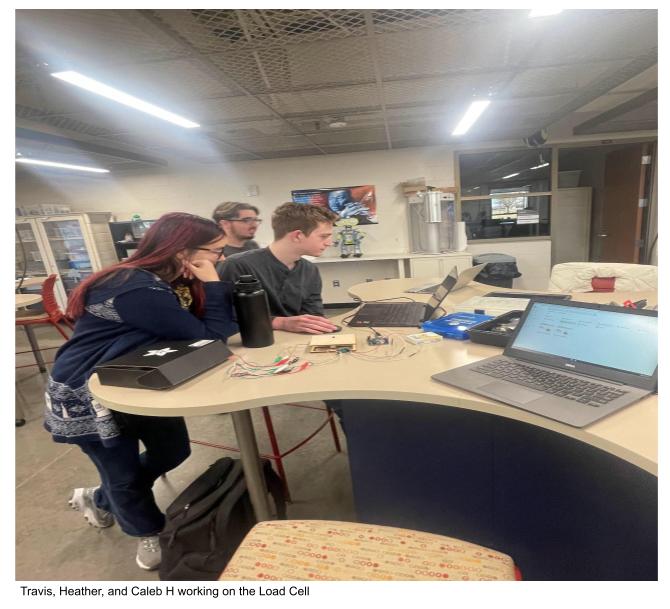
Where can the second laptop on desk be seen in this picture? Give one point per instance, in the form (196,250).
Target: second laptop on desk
(412,314)
(573,362)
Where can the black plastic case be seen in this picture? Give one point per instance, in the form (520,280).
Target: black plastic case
(163,365)
(483,333)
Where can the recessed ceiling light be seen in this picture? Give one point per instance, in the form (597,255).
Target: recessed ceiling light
(544,12)
(540,166)
(61,165)
(79,80)
(511,175)
(471,115)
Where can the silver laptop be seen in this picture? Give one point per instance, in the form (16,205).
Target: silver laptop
(573,362)
(456,280)
(404,314)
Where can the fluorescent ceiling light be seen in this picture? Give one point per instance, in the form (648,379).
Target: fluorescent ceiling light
(540,166)
(79,80)
(544,12)
(511,175)
(61,165)
(471,115)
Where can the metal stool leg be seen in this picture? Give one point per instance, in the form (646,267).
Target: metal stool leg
(244,419)
(36,348)
(276,452)
(253,474)
(19,415)
(333,429)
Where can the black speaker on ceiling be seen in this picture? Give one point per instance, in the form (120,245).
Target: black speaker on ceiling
(536,139)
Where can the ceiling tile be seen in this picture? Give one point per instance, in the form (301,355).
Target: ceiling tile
(266,83)
(562,79)
(335,99)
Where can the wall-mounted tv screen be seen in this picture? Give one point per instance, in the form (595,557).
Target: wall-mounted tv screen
(346,201)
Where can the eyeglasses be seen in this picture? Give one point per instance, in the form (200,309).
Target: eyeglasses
(218,251)
(246,220)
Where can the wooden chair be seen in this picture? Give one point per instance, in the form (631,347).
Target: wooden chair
(308,550)
(52,316)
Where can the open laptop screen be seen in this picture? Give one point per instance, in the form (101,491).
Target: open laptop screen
(441,292)
(623,340)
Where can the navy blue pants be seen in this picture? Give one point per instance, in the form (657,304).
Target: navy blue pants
(127,475)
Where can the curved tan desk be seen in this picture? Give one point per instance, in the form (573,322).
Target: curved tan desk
(629,434)
(566,503)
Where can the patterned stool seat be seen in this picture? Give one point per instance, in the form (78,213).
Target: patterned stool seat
(304,550)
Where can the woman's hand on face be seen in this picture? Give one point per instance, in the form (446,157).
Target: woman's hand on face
(204,270)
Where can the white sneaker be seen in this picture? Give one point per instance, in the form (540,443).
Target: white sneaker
(82,501)
(148,553)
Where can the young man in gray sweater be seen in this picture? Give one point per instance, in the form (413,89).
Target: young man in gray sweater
(293,284)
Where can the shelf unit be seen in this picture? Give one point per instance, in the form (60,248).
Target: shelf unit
(73,246)
(120,231)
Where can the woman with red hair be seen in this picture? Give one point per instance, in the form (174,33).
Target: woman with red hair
(168,290)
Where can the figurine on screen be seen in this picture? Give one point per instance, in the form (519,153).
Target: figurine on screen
(349,238)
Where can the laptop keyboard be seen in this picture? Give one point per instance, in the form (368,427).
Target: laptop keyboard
(561,385)
(389,314)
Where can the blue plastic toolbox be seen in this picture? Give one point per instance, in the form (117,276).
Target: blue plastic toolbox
(455,325)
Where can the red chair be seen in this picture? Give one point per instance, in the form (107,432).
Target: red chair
(277,455)
(52,316)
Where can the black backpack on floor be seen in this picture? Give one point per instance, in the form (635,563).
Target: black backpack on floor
(207,522)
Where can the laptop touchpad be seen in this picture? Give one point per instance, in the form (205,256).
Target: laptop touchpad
(513,393)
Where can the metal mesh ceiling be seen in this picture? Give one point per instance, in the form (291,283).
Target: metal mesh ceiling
(264,83)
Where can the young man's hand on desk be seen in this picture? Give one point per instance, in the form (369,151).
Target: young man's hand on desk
(311,324)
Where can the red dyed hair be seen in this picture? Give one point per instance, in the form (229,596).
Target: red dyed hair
(157,253)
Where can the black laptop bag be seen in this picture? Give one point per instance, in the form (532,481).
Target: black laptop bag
(207,522)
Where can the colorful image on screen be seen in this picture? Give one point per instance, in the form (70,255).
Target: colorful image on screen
(346,201)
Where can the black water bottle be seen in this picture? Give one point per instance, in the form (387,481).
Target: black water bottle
(253,312)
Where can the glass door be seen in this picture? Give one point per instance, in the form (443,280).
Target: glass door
(69,251)
(29,257)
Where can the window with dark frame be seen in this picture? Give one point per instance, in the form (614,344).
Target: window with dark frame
(506,193)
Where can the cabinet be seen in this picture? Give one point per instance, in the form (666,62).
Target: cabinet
(438,266)
(73,246)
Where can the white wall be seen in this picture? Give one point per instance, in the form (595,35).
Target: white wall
(199,190)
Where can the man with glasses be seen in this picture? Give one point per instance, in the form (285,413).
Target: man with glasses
(239,222)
